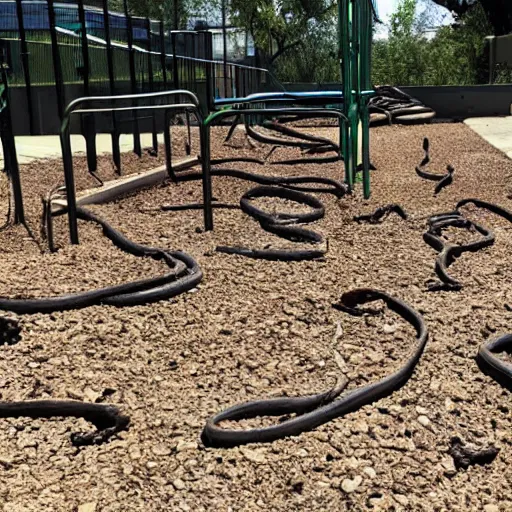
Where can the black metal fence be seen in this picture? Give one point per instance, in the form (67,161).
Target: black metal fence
(82,50)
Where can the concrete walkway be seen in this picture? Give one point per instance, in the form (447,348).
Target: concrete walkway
(48,146)
(495,130)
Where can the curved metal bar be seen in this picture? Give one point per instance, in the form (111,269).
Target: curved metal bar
(74,107)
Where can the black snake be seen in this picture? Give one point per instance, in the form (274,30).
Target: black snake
(184,275)
(447,251)
(315,410)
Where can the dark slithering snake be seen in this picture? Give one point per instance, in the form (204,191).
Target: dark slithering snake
(448,252)
(106,418)
(184,275)
(292,188)
(282,224)
(443,179)
(315,410)
(382,213)
(490,364)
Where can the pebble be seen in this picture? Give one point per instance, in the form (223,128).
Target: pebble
(253,455)
(491,508)
(179,484)
(302,453)
(33,365)
(423,420)
(360,427)
(449,467)
(161,450)
(151,465)
(186,445)
(389,329)
(88,507)
(370,472)
(349,486)
(421,410)
(403,500)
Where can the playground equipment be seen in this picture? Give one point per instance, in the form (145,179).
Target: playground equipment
(355,35)
(11,167)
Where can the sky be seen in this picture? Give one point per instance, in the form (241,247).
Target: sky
(385,8)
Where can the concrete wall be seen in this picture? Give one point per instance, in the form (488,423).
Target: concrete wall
(448,101)
(44,104)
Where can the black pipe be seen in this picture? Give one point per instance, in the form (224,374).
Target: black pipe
(133,78)
(25,63)
(88,124)
(116,150)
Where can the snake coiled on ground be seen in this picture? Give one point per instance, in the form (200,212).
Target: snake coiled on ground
(292,188)
(184,275)
(315,410)
(449,252)
(282,224)
(490,364)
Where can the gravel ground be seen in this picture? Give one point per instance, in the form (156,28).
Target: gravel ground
(257,329)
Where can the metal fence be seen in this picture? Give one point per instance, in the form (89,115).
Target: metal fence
(103,52)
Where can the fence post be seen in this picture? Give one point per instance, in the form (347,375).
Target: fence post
(210,93)
(9,147)
(133,79)
(162,54)
(151,82)
(59,85)
(116,151)
(88,124)
(224,48)
(25,63)
(174,61)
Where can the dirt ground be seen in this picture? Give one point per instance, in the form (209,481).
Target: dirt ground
(257,329)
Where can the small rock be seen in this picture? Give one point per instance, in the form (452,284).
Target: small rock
(491,508)
(349,486)
(88,507)
(161,450)
(389,329)
(448,466)
(179,484)
(184,445)
(423,420)
(134,452)
(151,465)
(449,405)
(370,472)
(91,395)
(403,500)
(360,427)
(253,455)
(5,462)
(33,365)
(421,410)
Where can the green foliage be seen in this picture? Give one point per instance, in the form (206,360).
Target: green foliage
(315,60)
(280,26)
(454,56)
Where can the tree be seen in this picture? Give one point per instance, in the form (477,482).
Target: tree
(278,26)
(498,12)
